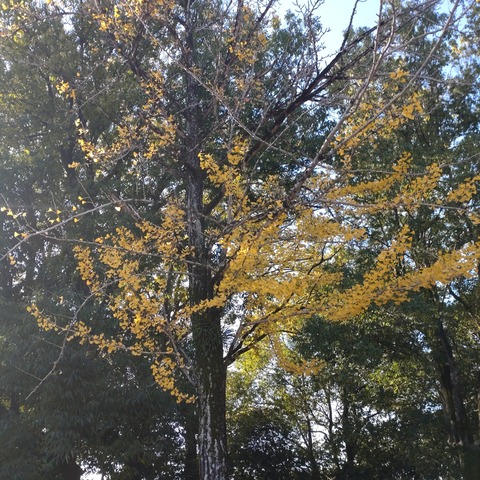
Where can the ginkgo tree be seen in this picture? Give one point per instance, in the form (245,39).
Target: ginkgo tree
(229,169)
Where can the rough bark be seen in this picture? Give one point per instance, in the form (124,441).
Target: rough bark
(191,468)
(211,376)
(452,399)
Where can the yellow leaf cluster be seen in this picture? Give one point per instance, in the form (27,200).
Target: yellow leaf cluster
(380,189)
(247,43)
(86,268)
(163,371)
(420,189)
(383,285)
(376,286)
(138,298)
(367,126)
(465,191)
(228,175)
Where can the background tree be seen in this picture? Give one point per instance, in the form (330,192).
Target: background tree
(64,408)
(432,314)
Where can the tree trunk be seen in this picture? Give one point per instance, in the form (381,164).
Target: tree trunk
(209,366)
(349,439)
(191,468)
(211,377)
(311,452)
(451,396)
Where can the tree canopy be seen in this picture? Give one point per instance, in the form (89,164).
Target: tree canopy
(185,184)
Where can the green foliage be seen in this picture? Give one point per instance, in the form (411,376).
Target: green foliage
(263,446)
(167,108)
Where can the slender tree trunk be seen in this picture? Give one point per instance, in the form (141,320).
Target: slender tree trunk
(311,453)
(451,396)
(331,433)
(349,438)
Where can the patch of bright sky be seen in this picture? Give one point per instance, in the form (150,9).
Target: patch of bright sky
(335,17)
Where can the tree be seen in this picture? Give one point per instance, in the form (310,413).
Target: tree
(63,407)
(433,312)
(370,411)
(221,164)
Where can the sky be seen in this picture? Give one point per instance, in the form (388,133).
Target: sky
(335,15)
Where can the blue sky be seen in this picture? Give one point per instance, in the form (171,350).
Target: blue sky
(335,15)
